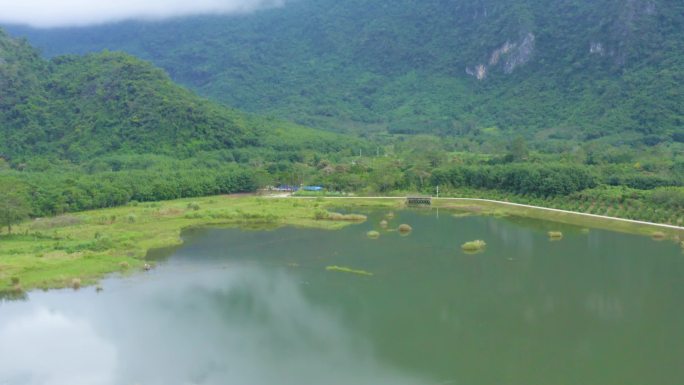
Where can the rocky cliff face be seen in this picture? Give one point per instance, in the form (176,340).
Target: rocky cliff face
(614,30)
(506,58)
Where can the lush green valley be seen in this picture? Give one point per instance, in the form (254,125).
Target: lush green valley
(291,188)
(108,130)
(595,131)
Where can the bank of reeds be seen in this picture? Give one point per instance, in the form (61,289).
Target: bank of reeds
(658,235)
(332,216)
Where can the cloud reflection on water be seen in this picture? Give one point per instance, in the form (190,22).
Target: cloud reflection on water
(205,327)
(45,347)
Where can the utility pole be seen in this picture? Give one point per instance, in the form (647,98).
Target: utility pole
(437,191)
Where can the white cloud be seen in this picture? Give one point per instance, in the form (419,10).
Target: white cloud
(62,13)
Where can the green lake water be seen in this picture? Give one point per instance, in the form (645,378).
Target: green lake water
(250,307)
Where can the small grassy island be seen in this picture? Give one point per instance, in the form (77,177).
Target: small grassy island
(474,246)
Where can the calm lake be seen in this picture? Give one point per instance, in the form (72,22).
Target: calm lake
(259,308)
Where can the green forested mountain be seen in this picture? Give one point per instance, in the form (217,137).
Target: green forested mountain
(79,108)
(105,129)
(570,70)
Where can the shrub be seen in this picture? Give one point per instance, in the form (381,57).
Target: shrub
(193,206)
(194,216)
(131,218)
(474,246)
(59,221)
(404,228)
(320,214)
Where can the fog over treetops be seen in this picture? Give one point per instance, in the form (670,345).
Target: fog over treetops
(64,13)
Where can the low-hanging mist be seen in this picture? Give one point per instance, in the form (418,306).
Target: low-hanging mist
(69,13)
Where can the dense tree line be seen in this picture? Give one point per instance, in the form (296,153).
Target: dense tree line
(48,193)
(519,178)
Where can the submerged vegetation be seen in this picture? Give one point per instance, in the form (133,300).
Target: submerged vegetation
(343,269)
(555,235)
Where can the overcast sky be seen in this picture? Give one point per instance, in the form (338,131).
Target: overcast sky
(62,13)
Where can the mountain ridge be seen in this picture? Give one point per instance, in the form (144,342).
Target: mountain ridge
(81,107)
(574,70)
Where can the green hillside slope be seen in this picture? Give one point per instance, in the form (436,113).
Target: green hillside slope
(79,108)
(105,129)
(571,70)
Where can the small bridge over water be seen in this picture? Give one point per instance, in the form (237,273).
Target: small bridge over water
(418,201)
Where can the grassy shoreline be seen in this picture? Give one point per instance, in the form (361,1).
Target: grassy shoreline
(562,216)
(80,249)
(84,247)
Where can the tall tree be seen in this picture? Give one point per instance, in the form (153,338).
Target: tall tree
(14,205)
